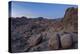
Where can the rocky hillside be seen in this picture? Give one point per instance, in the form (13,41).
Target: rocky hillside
(41,34)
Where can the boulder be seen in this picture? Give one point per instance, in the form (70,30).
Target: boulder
(34,40)
(54,42)
(41,47)
(75,40)
(75,37)
(66,41)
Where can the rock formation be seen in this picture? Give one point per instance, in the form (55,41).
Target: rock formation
(41,34)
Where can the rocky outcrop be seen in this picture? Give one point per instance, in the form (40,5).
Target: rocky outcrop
(70,19)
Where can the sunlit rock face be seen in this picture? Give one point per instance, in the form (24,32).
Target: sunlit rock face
(71,19)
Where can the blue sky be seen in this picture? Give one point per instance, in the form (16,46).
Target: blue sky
(34,10)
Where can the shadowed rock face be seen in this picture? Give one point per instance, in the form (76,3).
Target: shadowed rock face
(41,34)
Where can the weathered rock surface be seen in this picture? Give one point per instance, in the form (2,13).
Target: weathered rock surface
(66,41)
(70,19)
(41,47)
(34,40)
(54,42)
